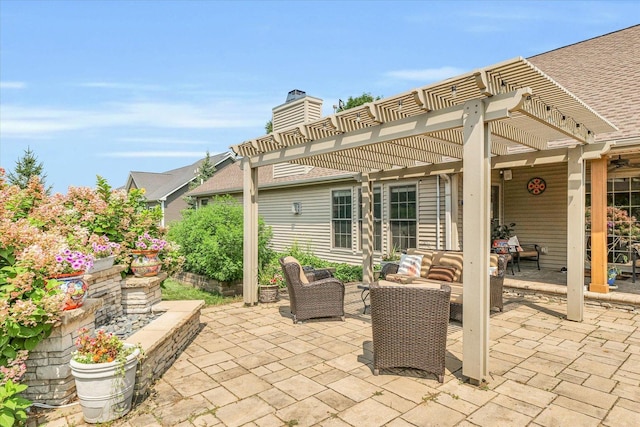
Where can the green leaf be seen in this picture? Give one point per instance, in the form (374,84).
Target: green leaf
(32,342)
(6,418)
(9,353)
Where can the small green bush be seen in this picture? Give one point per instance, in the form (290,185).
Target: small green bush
(211,239)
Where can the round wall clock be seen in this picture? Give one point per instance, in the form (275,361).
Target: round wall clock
(536,186)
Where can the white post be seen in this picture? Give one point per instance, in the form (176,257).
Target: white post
(250,248)
(476,185)
(575,234)
(367,230)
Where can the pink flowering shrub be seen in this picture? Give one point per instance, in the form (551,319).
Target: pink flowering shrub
(42,236)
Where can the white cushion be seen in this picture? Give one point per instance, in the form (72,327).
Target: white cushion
(410,265)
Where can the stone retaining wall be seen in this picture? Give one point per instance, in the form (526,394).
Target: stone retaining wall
(164,339)
(48,375)
(227,289)
(107,285)
(139,294)
(48,372)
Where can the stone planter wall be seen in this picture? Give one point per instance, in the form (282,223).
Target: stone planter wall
(49,377)
(227,289)
(48,373)
(107,285)
(140,293)
(164,339)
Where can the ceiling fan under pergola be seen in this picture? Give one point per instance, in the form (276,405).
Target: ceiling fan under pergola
(619,163)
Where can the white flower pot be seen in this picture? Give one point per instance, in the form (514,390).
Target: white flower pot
(105,392)
(102,264)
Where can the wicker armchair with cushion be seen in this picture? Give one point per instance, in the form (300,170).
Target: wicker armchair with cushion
(312,293)
(409,324)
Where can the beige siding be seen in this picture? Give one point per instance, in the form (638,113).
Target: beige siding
(296,112)
(540,219)
(427,213)
(289,169)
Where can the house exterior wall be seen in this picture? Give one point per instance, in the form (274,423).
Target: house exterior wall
(540,219)
(175,204)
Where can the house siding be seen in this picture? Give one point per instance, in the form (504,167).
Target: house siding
(540,219)
(175,204)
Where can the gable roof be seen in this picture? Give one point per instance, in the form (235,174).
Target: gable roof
(160,185)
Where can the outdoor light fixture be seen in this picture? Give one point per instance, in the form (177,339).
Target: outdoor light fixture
(296,208)
(548,112)
(454,91)
(358,117)
(400,105)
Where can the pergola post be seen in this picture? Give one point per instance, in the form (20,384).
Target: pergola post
(575,234)
(250,248)
(476,185)
(599,226)
(367,230)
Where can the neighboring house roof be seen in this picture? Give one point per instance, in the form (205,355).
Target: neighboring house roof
(229,179)
(160,185)
(603,72)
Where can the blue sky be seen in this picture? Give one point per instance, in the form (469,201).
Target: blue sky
(105,88)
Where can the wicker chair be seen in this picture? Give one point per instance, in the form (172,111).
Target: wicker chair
(312,293)
(409,324)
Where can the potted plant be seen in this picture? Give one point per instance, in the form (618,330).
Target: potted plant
(146,262)
(500,234)
(69,271)
(104,368)
(393,256)
(104,252)
(269,283)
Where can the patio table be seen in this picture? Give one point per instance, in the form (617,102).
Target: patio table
(364,295)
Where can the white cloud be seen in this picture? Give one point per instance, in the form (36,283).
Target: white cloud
(427,74)
(12,85)
(26,122)
(146,154)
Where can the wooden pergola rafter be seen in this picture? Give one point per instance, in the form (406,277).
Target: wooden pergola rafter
(503,114)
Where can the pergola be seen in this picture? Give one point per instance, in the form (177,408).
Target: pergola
(505,115)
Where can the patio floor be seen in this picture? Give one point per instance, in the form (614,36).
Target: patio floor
(254,367)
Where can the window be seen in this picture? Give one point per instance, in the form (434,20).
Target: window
(204,202)
(341,218)
(377,218)
(403,215)
(623,201)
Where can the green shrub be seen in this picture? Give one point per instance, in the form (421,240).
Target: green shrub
(348,273)
(211,239)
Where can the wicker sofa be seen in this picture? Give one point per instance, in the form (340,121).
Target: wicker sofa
(453,260)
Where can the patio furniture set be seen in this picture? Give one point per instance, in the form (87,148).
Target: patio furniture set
(410,310)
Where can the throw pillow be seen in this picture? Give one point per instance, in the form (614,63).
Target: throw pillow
(441,272)
(410,265)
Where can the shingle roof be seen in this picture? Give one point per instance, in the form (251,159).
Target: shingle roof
(604,72)
(229,179)
(159,185)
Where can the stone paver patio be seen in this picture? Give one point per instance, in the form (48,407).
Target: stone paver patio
(254,367)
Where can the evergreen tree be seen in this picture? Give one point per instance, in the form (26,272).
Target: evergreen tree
(268,127)
(26,167)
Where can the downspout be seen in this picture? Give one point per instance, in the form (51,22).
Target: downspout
(162,208)
(438,212)
(447,211)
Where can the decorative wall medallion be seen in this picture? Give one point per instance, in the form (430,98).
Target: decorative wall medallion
(536,186)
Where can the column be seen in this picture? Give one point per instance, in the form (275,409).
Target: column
(250,248)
